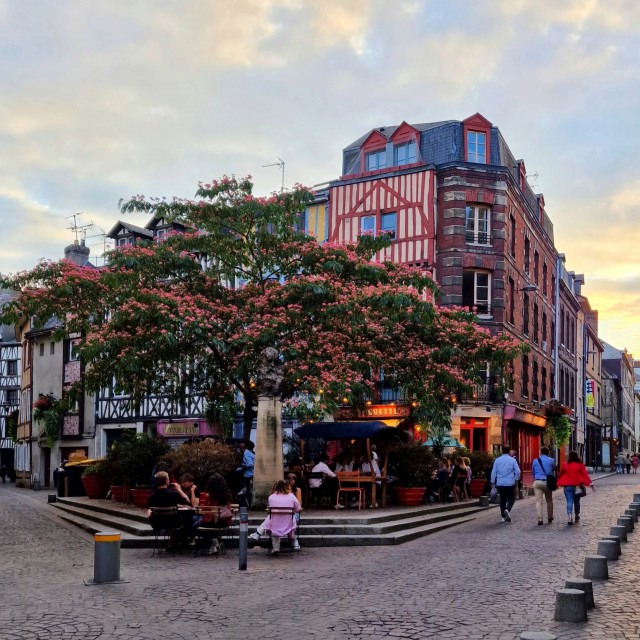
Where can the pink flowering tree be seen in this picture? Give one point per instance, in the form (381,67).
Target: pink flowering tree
(195,311)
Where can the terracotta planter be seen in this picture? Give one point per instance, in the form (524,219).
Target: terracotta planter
(141,496)
(96,487)
(409,496)
(477,487)
(117,493)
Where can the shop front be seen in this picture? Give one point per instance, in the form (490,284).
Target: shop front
(522,432)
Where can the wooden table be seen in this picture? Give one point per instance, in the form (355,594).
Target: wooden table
(373,481)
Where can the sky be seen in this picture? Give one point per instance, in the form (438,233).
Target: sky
(106,99)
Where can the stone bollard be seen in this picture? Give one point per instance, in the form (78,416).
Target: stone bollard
(620,531)
(627,522)
(632,513)
(596,568)
(582,585)
(571,605)
(607,548)
(483,501)
(635,505)
(615,539)
(636,497)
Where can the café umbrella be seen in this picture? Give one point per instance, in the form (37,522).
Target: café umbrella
(448,442)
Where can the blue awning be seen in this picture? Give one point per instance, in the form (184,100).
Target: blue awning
(345,430)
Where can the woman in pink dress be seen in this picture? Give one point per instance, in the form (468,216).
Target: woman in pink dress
(282,524)
(634,462)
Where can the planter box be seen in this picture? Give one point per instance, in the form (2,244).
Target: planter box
(477,487)
(117,493)
(95,487)
(141,496)
(409,497)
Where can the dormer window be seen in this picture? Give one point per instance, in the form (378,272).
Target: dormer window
(376,160)
(476,147)
(404,153)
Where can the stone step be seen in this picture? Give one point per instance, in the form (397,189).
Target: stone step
(105,520)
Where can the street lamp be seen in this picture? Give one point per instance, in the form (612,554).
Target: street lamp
(529,287)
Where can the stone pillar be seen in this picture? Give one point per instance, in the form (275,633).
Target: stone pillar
(268,465)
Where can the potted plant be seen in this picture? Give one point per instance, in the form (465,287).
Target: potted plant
(95,479)
(200,459)
(49,410)
(133,459)
(413,466)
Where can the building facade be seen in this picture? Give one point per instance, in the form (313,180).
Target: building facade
(10,366)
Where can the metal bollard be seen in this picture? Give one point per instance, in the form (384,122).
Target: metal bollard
(243,538)
(106,559)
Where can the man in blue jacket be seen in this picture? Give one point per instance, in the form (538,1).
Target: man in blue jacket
(504,476)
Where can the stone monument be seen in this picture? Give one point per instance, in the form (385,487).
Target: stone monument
(268,465)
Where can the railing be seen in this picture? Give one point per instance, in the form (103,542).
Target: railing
(480,393)
(473,237)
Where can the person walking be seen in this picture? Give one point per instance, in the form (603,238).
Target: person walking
(620,462)
(573,477)
(627,463)
(542,467)
(504,476)
(635,461)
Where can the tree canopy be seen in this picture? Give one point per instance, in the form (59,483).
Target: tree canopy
(193,312)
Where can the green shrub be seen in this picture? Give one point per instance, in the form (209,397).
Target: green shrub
(133,458)
(413,464)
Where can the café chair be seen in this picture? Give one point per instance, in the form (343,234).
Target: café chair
(283,515)
(211,528)
(166,524)
(317,493)
(353,486)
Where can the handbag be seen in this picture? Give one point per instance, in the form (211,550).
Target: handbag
(493,494)
(225,513)
(552,481)
(580,491)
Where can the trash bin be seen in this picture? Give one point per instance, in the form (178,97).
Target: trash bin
(60,475)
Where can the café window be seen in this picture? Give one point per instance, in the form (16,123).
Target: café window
(473,434)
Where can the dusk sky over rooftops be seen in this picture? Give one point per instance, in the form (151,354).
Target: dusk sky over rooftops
(102,100)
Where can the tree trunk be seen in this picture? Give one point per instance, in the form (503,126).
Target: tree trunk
(247,418)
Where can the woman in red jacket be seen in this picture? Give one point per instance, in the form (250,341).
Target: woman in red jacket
(573,477)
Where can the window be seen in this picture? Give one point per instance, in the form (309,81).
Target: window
(72,351)
(12,368)
(475,291)
(512,301)
(534,391)
(52,348)
(544,279)
(513,236)
(525,315)
(544,329)
(368,225)
(525,376)
(476,144)
(535,323)
(543,386)
(553,286)
(527,249)
(124,241)
(553,336)
(477,225)
(388,224)
(536,267)
(42,348)
(404,153)
(562,338)
(12,397)
(376,160)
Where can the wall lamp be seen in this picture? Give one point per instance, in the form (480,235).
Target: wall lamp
(529,287)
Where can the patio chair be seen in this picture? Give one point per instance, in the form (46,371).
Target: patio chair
(459,489)
(211,528)
(353,486)
(166,523)
(278,515)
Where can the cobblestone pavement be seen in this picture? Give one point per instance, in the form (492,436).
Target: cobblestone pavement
(480,580)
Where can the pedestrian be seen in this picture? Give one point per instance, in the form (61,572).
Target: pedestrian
(627,463)
(3,472)
(542,467)
(248,464)
(634,462)
(620,462)
(504,476)
(514,454)
(573,477)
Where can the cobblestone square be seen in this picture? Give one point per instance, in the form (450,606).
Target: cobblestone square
(483,579)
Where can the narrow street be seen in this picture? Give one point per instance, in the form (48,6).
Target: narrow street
(481,580)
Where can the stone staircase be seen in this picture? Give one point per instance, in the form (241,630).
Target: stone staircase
(317,528)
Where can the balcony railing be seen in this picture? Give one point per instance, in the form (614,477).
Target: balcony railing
(477,237)
(481,393)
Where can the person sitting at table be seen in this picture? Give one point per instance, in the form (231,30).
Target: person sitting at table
(281,525)
(458,476)
(218,496)
(188,489)
(329,479)
(292,479)
(163,496)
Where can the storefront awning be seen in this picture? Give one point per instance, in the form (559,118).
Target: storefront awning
(345,430)
(523,415)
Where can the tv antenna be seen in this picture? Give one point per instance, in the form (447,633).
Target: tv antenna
(280,165)
(76,228)
(535,177)
(105,245)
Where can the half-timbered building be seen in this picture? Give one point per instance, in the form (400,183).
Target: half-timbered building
(9,391)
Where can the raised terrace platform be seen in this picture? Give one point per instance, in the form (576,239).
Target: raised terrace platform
(318,528)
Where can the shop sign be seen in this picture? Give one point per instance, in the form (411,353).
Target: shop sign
(184,428)
(374,411)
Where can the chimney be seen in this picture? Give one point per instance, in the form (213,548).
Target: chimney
(77,252)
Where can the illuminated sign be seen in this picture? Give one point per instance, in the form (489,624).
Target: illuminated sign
(375,411)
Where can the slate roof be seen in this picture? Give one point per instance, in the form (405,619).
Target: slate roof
(132,228)
(387,132)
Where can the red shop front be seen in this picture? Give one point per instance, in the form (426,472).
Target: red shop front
(522,431)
